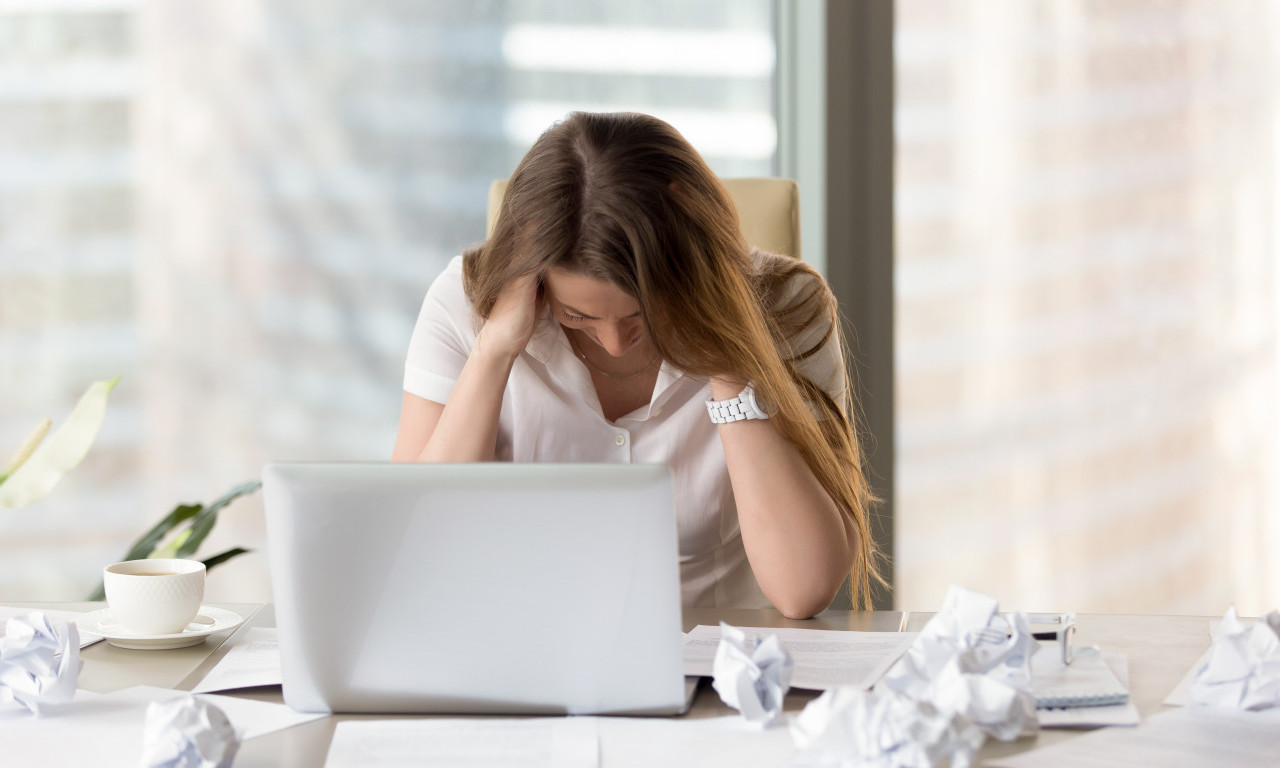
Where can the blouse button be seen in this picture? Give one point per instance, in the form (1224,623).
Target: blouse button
(620,440)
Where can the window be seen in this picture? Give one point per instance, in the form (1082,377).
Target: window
(238,207)
(1086,304)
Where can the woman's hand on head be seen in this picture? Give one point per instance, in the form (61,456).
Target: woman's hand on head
(513,317)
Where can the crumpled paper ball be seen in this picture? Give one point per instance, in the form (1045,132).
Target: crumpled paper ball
(1243,671)
(850,728)
(188,732)
(755,684)
(969,628)
(39,661)
(971,660)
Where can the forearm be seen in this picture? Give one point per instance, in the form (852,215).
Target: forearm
(800,545)
(468,425)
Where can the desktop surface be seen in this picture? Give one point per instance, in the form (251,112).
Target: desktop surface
(1160,649)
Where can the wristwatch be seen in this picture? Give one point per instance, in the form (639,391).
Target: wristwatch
(744,406)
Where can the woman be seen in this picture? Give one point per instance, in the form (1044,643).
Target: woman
(617,314)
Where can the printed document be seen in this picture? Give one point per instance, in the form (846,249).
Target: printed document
(574,742)
(713,742)
(824,658)
(251,662)
(541,742)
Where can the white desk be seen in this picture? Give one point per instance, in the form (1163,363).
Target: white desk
(1160,648)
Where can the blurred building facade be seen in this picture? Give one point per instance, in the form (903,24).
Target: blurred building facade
(1087,304)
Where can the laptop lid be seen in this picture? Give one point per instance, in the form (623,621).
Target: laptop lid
(490,588)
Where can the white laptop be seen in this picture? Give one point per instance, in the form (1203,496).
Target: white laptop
(476,588)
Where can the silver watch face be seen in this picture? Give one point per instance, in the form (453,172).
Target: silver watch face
(752,406)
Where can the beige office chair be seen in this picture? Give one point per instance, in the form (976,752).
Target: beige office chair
(769,210)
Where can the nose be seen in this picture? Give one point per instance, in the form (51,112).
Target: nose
(614,338)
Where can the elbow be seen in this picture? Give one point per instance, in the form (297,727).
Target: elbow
(808,596)
(799,613)
(800,606)
(802,586)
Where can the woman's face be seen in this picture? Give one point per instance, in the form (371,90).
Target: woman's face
(601,311)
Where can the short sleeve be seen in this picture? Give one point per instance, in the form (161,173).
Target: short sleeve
(442,338)
(825,367)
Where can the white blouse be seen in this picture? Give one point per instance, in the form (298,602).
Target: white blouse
(550,413)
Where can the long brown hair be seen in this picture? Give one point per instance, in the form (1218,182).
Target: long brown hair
(625,199)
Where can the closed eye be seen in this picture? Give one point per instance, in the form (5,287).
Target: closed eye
(569,312)
(572,317)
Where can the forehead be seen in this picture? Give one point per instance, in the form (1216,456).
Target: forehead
(596,297)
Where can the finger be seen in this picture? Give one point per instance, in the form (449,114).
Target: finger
(529,286)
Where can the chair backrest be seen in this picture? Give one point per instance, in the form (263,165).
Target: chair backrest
(768,210)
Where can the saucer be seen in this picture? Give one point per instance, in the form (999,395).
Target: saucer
(208,620)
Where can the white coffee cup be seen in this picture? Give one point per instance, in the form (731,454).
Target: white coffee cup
(159,596)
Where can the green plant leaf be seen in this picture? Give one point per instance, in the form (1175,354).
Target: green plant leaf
(185,543)
(144,546)
(203,523)
(100,594)
(60,452)
(223,557)
(147,543)
(171,549)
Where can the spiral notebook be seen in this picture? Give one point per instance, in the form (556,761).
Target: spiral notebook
(1086,682)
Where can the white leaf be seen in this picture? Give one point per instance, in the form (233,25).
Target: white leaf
(60,452)
(27,448)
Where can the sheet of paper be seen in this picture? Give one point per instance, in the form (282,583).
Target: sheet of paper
(257,718)
(1191,737)
(105,730)
(1087,677)
(544,742)
(253,661)
(1090,717)
(91,730)
(824,658)
(8,612)
(718,742)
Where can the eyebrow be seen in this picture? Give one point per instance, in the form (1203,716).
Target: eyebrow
(590,317)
